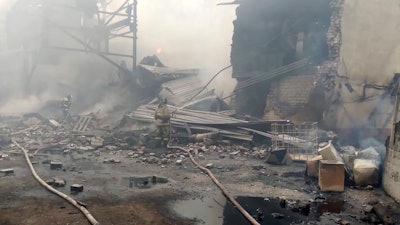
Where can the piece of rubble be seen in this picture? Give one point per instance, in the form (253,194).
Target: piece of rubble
(367,208)
(7,171)
(97,142)
(111,147)
(165,161)
(59,182)
(54,123)
(279,157)
(257,167)
(50,181)
(277,215)
(233,154)
(153,160)
(179,162)
(76,188)
(111,161)
(4,157)
(343,222)
(201,156)
(209,165)
(56,165)
(386,213)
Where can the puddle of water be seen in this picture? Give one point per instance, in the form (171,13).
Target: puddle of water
(207,211)
(143,182)
(268,207)
(217,211)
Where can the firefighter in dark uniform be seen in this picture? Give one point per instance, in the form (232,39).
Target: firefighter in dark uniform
(162,116)
(66,105)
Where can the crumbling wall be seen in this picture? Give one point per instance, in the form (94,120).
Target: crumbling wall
(369,54)
(391,178)
(289,94)
(269,34)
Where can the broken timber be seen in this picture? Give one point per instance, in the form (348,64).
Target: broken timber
(82,124)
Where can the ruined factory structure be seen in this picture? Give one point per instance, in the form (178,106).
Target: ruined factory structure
(111,114)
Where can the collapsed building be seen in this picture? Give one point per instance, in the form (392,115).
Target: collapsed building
(331,61)
(316,61)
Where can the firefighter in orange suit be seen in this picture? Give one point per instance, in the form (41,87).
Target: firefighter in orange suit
(162,116)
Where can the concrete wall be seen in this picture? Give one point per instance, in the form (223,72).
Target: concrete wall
(391,179)
(370,53)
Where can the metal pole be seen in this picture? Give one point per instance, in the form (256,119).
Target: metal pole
(134,40)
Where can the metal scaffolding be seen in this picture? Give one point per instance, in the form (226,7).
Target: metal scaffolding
(39,26)
(300,140)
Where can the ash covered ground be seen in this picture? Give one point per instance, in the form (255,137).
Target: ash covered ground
(125,183)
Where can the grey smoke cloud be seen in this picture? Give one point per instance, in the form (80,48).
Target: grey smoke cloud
(184,34)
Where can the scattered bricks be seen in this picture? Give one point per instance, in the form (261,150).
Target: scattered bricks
(209,165)
(55,165)
(96,142)
(179,162)
(76,188)
(7,172)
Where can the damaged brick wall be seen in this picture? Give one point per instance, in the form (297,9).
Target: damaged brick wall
(289,94)
(328,70)
(269,34)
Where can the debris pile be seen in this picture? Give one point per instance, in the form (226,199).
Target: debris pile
(356,168)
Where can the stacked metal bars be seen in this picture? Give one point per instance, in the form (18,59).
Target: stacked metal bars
(195,120)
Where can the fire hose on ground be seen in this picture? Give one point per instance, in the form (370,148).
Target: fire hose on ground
(220,186)
(73,202)
(90,217)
